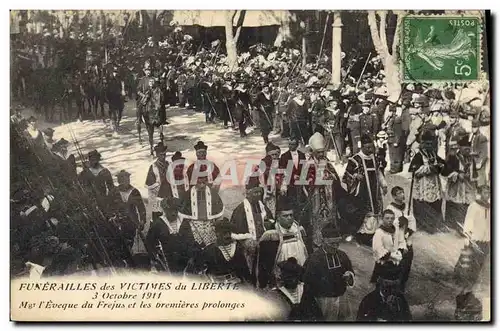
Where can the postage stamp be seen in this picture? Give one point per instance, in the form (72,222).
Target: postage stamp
(441,48)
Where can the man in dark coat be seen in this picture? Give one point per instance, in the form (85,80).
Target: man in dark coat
(223,261)
(290,289)
(298,115)
(115,93)
(386,302)
(96,179)
(128,206)
(265,107)
(328,273)
(163,236)
(292,162)
(251,219)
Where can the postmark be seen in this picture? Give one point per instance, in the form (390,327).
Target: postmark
(441,48)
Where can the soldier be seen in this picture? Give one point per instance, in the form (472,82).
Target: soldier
(115,93)
(368,122)
(265,107)
(298,115)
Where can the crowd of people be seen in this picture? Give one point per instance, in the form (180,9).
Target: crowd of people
(285,235)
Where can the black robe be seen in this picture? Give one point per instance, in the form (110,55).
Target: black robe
(323,278)
(240,222)
(99,186)
(373,309)
(132,212)
(265,108)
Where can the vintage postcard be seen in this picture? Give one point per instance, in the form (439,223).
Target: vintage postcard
(250,165)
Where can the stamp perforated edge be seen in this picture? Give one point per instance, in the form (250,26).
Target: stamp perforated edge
(469,14)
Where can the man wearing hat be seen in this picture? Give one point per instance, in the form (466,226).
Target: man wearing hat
(34,133)
(451,131)
(265,107)
(292,162)
(179,184)
(163,237)
(367,186)
(271,176)
(298,114)
(48,135)
(386,303)
(328,273)
(368,121)
(426,199)
(127,201)
(396,138)
(250,219)
(322,192)
(479,151)
(290,289)
(241,110)
(202,168)
(285,240)
(335,127)
(224,260)
(60,151)
(115,93)
(157,180)
(97,179)
(461,171)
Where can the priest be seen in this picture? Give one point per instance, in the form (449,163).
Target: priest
(323,191)
(328,274)
(251,219)
(271,176)
(201,205)
(157,181)
(284,241)
(202,167)
(386,303)
(366,185)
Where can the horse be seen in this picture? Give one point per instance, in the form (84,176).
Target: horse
(151,112)
(94,89)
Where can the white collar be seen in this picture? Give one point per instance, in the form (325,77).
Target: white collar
(299,102)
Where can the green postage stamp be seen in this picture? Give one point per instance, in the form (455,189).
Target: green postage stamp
(441,48)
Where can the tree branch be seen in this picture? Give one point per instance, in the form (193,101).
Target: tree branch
(395,42)
(383,33)
(372,23)
(239,25)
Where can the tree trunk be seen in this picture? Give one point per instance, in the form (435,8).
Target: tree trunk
(336,49)
(379,38)
(232,54)
(284,32)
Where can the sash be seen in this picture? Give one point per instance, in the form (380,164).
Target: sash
(250,219)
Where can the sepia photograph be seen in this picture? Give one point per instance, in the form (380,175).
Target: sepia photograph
(250,165)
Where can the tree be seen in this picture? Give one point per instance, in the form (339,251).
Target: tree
(377,20)
(232,36)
